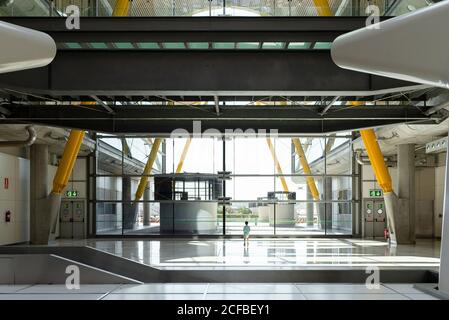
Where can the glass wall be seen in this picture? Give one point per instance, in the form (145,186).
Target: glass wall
(251,8)
(211,186)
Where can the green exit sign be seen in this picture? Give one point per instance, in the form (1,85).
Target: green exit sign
(375,193)
(71,194)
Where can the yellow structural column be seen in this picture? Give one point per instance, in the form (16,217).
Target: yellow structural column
(323,8)
(278,165)
(67,161)
(183,155)
(306,168)
(147,170)
(121,8)
(377,160)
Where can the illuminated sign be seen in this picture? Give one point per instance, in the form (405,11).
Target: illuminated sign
(375,193)
(71,193)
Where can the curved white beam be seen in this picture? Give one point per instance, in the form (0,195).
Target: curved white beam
(410,47)
(22,48)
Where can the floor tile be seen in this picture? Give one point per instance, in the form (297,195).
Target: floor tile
(404,288)
(11,288)
(420,296)
(340,288)
(252,288)
(163,288)
(254,296)
(60,288)
(43,296)
(153,296)
(358,296)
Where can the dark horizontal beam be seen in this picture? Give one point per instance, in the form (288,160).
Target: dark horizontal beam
(209,29)
(204,73)
(163,121)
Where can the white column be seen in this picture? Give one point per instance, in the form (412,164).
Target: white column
(443,284)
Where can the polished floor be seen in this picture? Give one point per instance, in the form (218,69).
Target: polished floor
(270,253)
(215,291)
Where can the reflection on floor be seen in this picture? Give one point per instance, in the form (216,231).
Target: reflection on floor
(270,253)
(214,291)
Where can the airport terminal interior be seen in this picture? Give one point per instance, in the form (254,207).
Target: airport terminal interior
(137,154)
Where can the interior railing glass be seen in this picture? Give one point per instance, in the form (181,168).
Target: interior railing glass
(251,8)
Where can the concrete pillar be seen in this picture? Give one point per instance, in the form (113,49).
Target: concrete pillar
(309,209)
(129,210)
(329,205)
(146,207)
(325,209)
(39,189)
(443,283)
(405,214)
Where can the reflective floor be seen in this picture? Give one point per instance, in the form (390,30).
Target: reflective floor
(270,253)
(214,291)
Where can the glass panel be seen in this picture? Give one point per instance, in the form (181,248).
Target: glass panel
(273,45)
(109,188)
(124,45)
(299,45)
(297,212)
(313,149)
(98,45)
(223,45)
(250,188)
(256,194)
(198,45)
(299,218)
(322,45)
(109,218)
(248,45)
(203,155)
(147,218)
(340,217)
(249,156)
(192,8)
(212,8)
(73,45)
(173,45)
(109,156)
(257,214)
(339,155)
(148,45)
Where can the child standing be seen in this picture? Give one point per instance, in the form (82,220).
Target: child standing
(246,231)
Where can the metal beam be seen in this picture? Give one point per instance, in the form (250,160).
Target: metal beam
(200,73)
(104,105)
(194,29)
(159,120)
(335,99)
(217,105)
